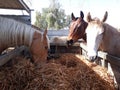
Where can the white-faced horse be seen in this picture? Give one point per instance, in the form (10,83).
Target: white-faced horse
(102,36)
(14,33)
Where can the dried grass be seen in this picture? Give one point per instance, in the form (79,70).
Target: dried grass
(69,72)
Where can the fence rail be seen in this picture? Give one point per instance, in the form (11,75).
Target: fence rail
(110,62)
(8,56)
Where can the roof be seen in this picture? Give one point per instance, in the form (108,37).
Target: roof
(14,4)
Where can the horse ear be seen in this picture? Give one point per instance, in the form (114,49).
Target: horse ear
(73,17)
(81,14)
(89,17)
(105,17)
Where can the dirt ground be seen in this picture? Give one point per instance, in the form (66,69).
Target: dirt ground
(68,72)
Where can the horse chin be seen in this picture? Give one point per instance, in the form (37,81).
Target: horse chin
(92,58)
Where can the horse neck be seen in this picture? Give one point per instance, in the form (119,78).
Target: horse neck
(109,39)
(14,33)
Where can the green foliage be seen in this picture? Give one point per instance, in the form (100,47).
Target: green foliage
(52,17)
(40,21)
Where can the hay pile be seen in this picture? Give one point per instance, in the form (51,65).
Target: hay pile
(65,73)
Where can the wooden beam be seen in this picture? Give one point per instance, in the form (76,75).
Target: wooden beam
(25,6)
(58,32)
(6,57)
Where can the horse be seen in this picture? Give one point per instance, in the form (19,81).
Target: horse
(101,36)
(77,29)
(14,33)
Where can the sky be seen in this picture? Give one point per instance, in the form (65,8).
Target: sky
(97,8)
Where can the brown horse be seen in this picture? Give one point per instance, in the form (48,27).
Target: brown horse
(77,29)
(14,33)
(102,36)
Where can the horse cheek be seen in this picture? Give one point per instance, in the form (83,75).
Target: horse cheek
(35,50)
(44,51)
(40,51)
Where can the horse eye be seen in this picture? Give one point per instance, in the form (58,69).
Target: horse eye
(46,47)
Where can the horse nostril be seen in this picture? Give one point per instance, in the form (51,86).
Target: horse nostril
(69,42)
(49,51)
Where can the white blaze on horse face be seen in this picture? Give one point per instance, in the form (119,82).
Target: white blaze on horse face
(94,38)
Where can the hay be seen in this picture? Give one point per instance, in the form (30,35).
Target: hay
(68,72)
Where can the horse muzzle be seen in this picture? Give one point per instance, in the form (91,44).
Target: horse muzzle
(92,58)
(69,42)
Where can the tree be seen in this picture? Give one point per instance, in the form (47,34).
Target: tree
(52,17)
(40,21)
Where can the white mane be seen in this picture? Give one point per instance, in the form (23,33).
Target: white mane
(13,33)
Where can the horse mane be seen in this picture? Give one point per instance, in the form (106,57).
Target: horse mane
(109,27)
(13,32)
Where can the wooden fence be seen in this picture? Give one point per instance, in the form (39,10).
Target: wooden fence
(60,46)
(108,61)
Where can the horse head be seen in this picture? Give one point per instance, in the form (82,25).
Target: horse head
(40,46)
(94,33)
(77,29)
(16,34)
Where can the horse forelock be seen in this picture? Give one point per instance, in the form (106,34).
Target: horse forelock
(96,23)
(96,20)
(76,18)
(77,23)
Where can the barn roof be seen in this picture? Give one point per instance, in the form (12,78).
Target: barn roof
(14,4)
